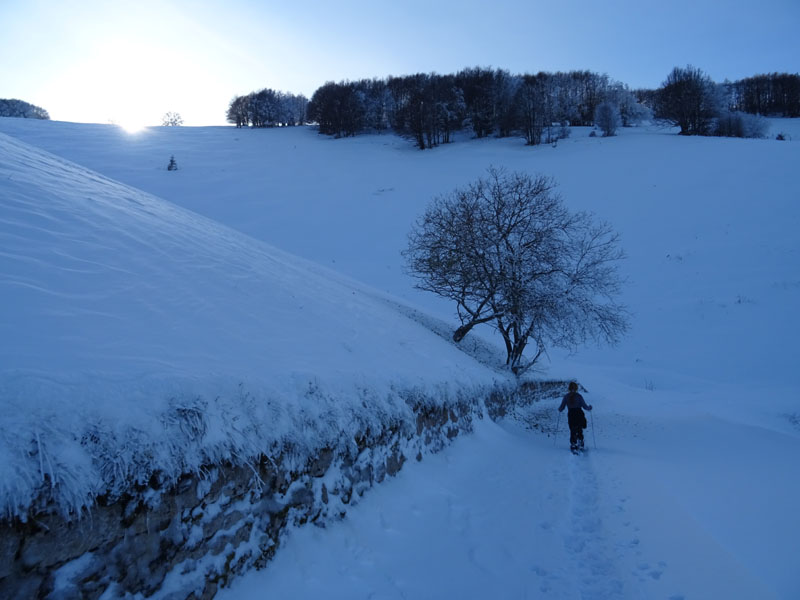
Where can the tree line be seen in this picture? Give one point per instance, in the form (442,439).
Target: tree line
(691,100)
(775,94)
(267,108)
(429,108)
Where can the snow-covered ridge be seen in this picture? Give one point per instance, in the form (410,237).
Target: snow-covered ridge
(121,311)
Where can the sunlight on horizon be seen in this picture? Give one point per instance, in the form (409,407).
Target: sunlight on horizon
(131,81)
(134,116)
(132,126)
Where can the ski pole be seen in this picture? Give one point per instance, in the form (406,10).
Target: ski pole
(594,439)
(555,435)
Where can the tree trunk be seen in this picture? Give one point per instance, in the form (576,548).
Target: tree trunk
(462,331)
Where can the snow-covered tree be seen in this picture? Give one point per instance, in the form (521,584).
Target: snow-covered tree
(507,251)
(338,109)
(479,88)
(21,109)
(237,111)
(378,105)
(739,124)
(606,117)
(172,119)
(426,107)
(292,109)
(631,111)
(589,90)
(267,108)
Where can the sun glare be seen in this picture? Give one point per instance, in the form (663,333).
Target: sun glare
(131,126)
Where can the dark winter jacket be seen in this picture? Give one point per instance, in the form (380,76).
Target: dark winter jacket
(575,417)
(573,400)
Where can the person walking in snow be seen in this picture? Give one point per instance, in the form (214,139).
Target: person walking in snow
(574,402)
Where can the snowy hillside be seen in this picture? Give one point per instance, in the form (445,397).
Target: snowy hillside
(706,222)
(117,305)
(118,281)
(692,489)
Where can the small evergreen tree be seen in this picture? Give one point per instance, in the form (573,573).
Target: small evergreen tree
(172,166)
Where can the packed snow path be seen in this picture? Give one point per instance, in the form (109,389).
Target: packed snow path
(508,513)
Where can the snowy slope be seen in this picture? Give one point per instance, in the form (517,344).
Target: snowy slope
(115,280)
(706,222)
(692,490)
(117,304)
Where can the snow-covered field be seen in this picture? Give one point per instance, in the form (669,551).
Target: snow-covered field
(121,310)
(110,294)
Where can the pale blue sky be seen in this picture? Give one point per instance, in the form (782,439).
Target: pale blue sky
(101,61)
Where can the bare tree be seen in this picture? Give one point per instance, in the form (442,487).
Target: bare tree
(768,94)
(509,253)
(690,99)
(237,111)
(531,104)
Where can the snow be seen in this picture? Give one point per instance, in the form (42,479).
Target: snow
(692,489)
(706,246)
(573,534)
(124,313)
(110,275)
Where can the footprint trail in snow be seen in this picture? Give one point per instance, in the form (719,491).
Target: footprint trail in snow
(586,539)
